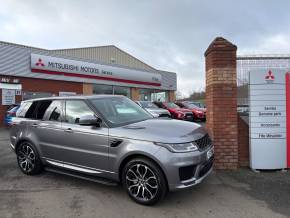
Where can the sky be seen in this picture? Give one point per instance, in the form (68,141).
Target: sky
(169,35)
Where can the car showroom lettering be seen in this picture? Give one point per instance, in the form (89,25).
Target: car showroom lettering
(60,66)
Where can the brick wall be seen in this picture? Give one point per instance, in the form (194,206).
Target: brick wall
(52,86)
(243,139)
(221,101)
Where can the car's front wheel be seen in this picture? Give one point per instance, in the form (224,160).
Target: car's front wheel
(28,159)
(144,181)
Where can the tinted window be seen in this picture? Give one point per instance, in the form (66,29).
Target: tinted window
(31,111)
(41,108)
(75,109)
(23,109)
(55,111)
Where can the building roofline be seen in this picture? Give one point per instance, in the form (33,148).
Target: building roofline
(85,47)
(23,46)
(263,56)
(91,47)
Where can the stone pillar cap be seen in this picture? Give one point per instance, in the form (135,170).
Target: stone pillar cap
(218,44)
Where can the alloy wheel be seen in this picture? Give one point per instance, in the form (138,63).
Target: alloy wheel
(142,182)
(26,157)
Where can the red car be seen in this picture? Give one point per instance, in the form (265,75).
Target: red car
(176,111)
(198,113)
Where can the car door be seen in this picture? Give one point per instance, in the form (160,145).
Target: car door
(44,134)
(85,147)
(49,131)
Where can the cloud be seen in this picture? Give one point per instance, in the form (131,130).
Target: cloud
(169,35)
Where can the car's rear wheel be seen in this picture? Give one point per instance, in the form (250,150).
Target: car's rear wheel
(144,181)
(28,159)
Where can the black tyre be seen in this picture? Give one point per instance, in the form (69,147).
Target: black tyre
(28,159)
(144,181)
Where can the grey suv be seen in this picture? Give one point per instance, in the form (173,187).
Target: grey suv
(110,139)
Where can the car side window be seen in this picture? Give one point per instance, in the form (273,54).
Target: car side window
(23,109)
(75,109)
(41,108)
(54,112)
(31,111)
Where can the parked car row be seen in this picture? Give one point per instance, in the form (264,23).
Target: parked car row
(185,110)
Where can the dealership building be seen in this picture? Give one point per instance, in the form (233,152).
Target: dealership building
(29,72)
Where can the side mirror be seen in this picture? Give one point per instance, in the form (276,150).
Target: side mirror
(90,120)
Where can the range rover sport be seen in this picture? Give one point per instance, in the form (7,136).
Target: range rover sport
(111,140)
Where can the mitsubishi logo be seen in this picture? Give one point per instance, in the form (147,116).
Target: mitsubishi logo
(40,63)
(270,77)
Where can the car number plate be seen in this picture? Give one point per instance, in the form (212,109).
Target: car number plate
(209,153)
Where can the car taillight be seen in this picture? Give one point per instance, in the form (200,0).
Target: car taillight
(11,113)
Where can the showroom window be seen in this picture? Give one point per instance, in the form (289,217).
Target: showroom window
(120,90)
(102,89)
(111,90)
(153,95)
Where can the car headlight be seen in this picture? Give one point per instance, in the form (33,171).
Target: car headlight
(178,147)
(180,115)
(154,114)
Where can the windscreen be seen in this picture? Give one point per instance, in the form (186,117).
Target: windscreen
(191,106)
(148,104)
(172,105)
(120,111)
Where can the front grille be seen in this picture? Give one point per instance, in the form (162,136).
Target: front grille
(189,116)
(187,172)
(164,115)
(206,167)
(203,142)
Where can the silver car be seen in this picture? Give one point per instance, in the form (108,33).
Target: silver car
(153,109)
(111,140)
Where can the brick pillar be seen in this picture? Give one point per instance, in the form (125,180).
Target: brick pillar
(221,101)
(135,94)
(87,89)
(171,96)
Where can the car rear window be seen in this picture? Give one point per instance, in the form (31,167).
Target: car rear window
(33,110)
(23,109)
(41,108)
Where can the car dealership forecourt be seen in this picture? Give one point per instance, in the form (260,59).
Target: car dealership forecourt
(28,72)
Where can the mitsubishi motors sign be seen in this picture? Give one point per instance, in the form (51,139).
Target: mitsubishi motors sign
(269,101)
(72,68)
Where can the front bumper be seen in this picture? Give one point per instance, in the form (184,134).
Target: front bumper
(172,163)
(200,116)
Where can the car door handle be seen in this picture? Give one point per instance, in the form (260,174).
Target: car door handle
(35,125)
(69,130)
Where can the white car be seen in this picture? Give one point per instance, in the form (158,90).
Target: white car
(153,109)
